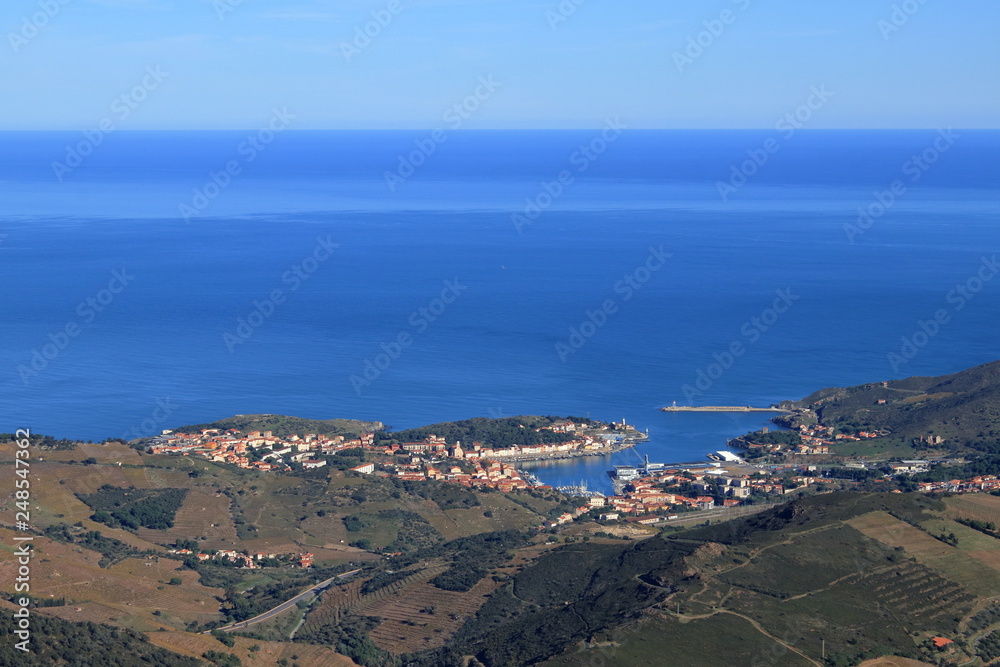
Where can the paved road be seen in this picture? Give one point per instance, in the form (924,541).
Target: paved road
(286,605)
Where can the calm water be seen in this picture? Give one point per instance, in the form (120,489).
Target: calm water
(159,351)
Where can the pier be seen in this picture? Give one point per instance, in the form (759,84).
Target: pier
(720,408)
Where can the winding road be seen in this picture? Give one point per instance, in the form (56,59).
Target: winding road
(286,605)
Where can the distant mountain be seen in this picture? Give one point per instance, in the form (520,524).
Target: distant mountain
(962,408)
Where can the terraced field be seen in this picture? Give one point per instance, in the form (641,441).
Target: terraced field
(204,513)
(952,562)
(415,614)
(921,595)
(422,616)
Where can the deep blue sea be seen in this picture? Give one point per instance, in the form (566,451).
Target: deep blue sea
(121,316)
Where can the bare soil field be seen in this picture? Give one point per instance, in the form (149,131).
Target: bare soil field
(204,513)
(894,661)
(953,563)
(134,588)
(267,655)
(981,506)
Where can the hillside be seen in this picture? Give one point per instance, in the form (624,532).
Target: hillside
(105,518)
(431,573)
(962,409)
(56,642)
(855,575)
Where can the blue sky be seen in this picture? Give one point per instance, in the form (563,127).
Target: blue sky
(228,63)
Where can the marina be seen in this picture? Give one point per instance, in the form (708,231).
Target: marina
(580,490)
(622,475)
(674,440)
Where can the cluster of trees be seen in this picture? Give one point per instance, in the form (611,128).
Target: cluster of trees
(41,441)
(987,527)
(783,438)
(490,432)
(353,524)
(383,579)
(350,637)
(984,465)
(473,557)
(58,642)
(223,659)
(112,550)
(414,532)
(448,496)
(988,647)
(135,508)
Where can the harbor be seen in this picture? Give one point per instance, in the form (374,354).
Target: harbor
(680,440)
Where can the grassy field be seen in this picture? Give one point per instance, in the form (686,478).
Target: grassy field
(894,662)
(875,448)
(266,655)
(957,563)
(981,506)
(662,640)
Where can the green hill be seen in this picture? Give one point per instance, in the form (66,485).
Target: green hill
(963,409)
(854,575)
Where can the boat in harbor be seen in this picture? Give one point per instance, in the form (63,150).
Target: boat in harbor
(530,478)
(580,490)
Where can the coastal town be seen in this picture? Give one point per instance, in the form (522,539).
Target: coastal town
(432,457)
(805,440)
(652,494)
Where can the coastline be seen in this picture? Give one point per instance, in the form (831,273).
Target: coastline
(604,451)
